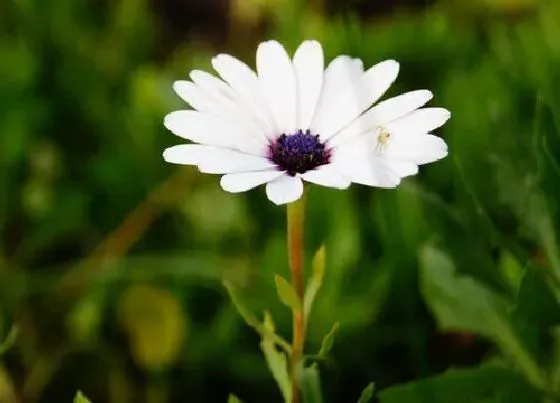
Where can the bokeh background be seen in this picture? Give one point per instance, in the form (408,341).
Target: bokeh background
(112,261)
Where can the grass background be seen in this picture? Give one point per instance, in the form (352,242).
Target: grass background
(111,260)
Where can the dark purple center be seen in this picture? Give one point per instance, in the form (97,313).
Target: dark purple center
(298,152)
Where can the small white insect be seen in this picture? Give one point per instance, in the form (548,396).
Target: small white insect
(383,136)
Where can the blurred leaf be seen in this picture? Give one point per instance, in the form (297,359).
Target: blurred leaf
(287,294)
(251,320)
(10,340)
(511,270)
(460,303)
(485,384)
(84,319)
(276,360)
(315,282)
(310,384)
(80,398)
(536,301)
(155,323)
(328,341)
(367,394)
(234,399)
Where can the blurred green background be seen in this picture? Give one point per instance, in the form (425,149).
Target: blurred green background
(111,260)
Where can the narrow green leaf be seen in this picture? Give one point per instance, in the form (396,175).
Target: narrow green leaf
(80,398)
(315,282)
(328,341)
(276,360)
(310,384)
(287,294)
(252,320)
(367,394)
(234,399)
(10,340)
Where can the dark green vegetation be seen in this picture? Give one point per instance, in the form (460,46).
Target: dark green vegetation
(111,261)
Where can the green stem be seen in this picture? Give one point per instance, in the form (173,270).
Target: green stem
(295,220)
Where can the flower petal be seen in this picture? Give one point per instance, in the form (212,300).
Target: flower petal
(308,66)
(241,182)
(278,83)
(185,154)
(354,100)
(358,161)
(327,175)
(246,84)
(211,130)
(225,102)
(421,149)
(285,189)
(215,160)
(420,121)
(343,72)
(382,114)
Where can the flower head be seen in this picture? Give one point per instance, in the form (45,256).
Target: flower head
(293,121)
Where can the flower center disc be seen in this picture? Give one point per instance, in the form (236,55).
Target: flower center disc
(298,152)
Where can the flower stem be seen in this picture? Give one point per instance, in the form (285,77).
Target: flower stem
(296,216)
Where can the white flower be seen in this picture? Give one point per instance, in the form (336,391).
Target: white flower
(292,121)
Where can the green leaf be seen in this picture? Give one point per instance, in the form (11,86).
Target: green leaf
(367,394)
(234,399)
(536,301)
(251,319)
(460,303)
(328,341)
(276,360)
(485,384)
(10,340)
(310,384)
(80,398)
(315,282)
(287,294)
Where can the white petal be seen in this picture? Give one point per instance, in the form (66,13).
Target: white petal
(246,85)
(227,102)
(278,83)
(421,149)
(285,189)
(420,121)
(241,182)
(327,175)
(186,154)
(215,160)
(402,168)
(211,130)
(359,161)
(372,172)
(194,96)
(308,65)
(383,113)
(342,73)
(354,100)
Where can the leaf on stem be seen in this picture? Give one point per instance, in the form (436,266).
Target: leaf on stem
(310,384)
(367,393)
(234,399)
(80,398)
(315,282)
(328,341)
(252,320)
(287,294)
(276,360)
